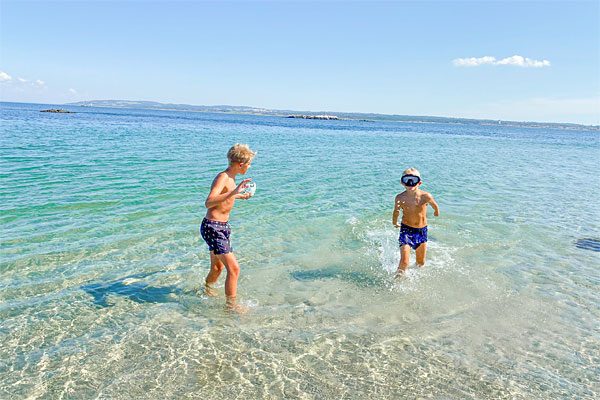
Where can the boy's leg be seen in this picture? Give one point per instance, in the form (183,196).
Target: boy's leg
(404,257)
(421,253)
(233,271)
(216,267)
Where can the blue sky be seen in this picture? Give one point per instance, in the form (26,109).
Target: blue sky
(442,58)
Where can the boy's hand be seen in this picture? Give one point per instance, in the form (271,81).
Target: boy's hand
(436,214)
(243,196)
(240,188)
(396,225)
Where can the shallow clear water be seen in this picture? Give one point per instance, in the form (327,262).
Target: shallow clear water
(101,256)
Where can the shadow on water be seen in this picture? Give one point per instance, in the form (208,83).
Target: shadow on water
(134,288)
(361,279)
(588,244)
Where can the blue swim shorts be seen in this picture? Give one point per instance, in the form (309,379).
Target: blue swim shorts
(216,235)
(412,236)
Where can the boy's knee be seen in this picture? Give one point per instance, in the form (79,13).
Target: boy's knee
(217,267)
(234,269)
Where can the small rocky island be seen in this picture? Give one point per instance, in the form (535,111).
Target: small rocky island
(314,117)
(53,110)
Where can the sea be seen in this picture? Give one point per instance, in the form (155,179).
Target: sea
(102,265)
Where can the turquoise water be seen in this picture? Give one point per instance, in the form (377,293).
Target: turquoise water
(101,256)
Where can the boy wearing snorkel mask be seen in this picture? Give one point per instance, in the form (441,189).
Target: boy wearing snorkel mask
(413,228)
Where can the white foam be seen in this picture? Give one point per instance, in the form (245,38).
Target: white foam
(352,221)
(250,303)
(382,243)
(130,281)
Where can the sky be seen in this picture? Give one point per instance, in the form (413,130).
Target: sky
(509,60)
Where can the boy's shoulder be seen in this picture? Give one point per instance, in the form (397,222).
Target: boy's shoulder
(399,198)
(427,195)
(222,177)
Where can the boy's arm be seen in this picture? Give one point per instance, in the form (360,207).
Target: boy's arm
(396,211)
(215,197)
(436,209)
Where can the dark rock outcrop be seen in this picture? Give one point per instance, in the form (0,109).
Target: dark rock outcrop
(333,117)
(53,110)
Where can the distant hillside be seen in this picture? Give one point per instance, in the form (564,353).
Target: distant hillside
(152,105)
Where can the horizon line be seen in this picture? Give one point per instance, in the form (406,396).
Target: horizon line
(275,110)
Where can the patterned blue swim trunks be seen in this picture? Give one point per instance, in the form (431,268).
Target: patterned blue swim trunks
(412,236)
(216,235)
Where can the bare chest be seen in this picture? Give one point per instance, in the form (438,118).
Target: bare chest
(414,203)
(229,186)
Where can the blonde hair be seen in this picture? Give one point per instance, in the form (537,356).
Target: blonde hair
(240,153)
(412,171)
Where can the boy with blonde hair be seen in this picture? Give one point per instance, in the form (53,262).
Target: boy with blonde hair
(215,227)
(413,229)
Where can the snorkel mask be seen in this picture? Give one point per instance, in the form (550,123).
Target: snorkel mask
(250,188)
(410,180)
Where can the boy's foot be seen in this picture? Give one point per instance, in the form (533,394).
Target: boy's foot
(209,290)
(232,306)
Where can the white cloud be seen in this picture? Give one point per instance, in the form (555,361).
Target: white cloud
(473,62)
(73,91)
(21,85)
(15,88)
(4,77)
(518,61)
(523,62)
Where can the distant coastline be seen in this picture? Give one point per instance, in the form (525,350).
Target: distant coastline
(226,109)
